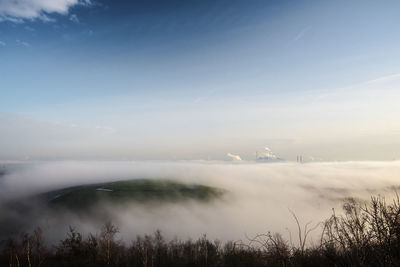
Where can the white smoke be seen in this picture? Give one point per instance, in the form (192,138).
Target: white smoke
(267,154)
(234,157)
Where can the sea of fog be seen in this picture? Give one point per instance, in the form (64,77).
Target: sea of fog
(259,196)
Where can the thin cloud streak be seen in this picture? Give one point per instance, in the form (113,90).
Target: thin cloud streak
(301,34)
(22,43)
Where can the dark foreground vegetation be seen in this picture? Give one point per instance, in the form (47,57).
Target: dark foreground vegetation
(367,234)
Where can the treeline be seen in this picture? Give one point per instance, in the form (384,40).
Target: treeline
(366,234)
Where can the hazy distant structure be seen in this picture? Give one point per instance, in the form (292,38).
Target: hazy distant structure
(299,159)
(267,156)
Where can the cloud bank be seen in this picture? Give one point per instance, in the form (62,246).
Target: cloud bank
(20,10)
(259,198)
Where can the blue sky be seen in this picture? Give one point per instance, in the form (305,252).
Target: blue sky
(199,79)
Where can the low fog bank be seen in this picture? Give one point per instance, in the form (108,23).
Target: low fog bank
(258,200)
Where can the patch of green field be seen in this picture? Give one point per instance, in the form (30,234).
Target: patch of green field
(130,191)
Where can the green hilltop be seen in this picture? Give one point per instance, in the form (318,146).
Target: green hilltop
(143,190)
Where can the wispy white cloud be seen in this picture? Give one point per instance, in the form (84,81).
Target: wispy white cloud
(29,28)
(106,129)
(18,11)
(2,43)
(22,43)
(74,18)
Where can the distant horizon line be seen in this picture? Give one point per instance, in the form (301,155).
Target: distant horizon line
(258,162)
